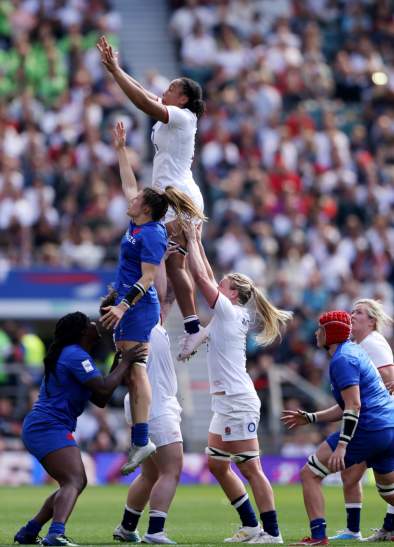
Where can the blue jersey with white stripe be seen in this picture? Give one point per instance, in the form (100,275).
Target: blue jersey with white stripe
(350,366)
(141,243)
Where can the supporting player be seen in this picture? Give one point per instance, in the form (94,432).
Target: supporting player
(71,379)
(160,473)
(232,433)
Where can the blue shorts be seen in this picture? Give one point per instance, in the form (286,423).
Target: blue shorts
(41,438)
(138,322)
(376,448)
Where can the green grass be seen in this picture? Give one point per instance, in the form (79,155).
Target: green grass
(200,515)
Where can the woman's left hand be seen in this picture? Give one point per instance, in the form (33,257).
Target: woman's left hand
(112,316)
(337,459)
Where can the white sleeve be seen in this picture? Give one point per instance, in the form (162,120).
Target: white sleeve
(178,117)
(223,309)
(379,352)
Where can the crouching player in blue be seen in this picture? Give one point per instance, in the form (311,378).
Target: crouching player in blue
(137,308)
(367,429)
(71,379)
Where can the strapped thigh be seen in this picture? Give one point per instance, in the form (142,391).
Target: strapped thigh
(385,489)
(317,467)
(217,454)
(180,249)
(246,456)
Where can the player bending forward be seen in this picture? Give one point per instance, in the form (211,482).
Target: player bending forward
(367,430)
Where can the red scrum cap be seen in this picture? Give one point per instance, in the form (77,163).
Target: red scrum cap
(337,325)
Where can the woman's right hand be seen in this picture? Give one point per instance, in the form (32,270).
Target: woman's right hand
(294,418)
(119,135)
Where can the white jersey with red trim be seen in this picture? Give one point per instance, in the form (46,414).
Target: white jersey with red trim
(378,349)
(227,348)
(174,149)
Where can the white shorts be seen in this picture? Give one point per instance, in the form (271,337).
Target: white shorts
(164,429)
(194,192)
(232,423)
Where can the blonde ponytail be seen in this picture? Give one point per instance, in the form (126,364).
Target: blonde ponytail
(184,207)
(271,318)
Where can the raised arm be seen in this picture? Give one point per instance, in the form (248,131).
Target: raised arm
(203,255)
(198,268)
(143,99)
(129,182)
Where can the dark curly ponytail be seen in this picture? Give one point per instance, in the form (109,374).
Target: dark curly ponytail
(193,92)
(69,330)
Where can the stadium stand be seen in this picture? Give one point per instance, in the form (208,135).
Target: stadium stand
(295,156)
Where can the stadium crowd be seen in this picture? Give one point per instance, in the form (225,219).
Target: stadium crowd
(295,153)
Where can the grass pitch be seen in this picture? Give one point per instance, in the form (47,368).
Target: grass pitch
(200,515)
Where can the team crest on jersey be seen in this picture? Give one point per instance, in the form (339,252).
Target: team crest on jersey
(227,430)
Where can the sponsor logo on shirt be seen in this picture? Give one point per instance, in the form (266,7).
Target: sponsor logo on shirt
(87,365)
(251,427)
(130,238)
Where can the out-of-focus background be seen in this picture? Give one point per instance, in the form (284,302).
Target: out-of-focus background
(295,158)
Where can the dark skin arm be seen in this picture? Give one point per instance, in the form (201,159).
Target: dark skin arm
(103,387)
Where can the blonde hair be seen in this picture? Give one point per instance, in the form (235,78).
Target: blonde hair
(184,207)
(376,312)
(270,317)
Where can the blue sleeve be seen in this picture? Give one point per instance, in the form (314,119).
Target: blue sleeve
(346,372)
(154,245)
(83,368)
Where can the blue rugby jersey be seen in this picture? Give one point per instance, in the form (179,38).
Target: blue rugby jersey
(142,243)
(350,366)
(65,397)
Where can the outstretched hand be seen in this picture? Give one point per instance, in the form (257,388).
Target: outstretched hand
(294,418)
(119,135)
(109,57)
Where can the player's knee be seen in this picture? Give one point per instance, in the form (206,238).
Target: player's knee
(218,460)
(348,481)
(305,473)
(80,482)
(386,491)
(314,469)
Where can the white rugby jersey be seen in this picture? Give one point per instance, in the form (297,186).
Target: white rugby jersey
(378,349)
(162,375)
(227,348)
(174,149)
